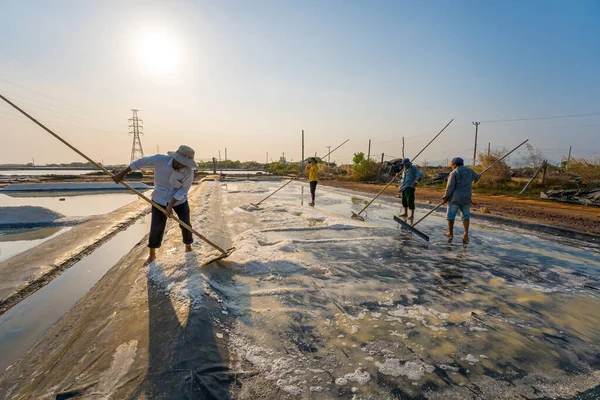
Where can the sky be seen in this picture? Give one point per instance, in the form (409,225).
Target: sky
(249,76)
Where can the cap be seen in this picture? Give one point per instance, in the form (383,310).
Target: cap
(406,161)
(457,161)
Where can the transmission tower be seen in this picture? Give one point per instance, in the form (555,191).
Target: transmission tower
(136,130)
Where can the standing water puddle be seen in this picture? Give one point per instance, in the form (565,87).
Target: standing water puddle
(26,323)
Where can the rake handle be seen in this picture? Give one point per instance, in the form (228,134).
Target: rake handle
(101,167)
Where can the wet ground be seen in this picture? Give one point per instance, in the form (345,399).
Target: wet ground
(313,304)
(326,306)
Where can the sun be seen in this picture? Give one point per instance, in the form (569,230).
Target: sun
(158,51)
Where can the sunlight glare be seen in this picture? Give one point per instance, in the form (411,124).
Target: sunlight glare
(158,52)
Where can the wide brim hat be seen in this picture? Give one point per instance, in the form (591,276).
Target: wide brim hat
(184,155)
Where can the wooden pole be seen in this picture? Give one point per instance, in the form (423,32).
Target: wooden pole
(369,152)
(542,165)
(568,159)
(475,146)
(94,163)
(380,166)
(302,162)
(402,146)
(489,148)
(543,182)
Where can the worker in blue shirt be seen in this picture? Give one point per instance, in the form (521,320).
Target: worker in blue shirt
(173,177)
(411,177)
(459,191)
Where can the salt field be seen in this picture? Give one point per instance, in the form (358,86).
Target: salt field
(325,306)
(314,304)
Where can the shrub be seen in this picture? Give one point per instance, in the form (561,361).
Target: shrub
(499,174)
(366,170)
(587,169)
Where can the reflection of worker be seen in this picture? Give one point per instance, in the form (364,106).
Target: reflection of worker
(173,177)
(411,177)
(313,178)
(459,192)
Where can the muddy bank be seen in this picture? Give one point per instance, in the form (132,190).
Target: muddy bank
(569,216)
(26,272)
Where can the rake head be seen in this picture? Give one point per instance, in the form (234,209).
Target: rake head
(221,256)
(357,216)
(410,228)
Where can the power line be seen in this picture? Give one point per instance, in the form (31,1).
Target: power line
(540,118)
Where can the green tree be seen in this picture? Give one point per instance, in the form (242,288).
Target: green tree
(358,158)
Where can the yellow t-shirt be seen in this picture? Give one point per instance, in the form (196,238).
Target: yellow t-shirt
(312,172)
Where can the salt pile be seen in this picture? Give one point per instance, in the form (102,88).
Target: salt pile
(27,215)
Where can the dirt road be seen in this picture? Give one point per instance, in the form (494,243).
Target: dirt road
(569,216)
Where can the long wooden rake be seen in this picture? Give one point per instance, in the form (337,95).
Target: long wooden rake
(224,253)
(360,217)
(411,228)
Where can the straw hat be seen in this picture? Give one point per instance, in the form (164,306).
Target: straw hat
(185,155)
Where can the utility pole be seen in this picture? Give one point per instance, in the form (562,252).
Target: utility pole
(568,159)
(475,147)
(489,148)
(402,146)
(302,162)
(380,166)
(136,130)
(328,155)
(369,153)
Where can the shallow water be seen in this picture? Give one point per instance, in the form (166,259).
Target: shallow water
(15,241)
(323,303)
(40,172)
(74,204)
(26,322)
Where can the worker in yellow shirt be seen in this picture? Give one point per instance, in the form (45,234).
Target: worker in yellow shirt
(313,170)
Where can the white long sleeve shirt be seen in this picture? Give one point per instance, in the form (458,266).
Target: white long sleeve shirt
(169,183)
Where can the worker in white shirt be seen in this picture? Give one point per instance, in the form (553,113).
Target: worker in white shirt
(173,177)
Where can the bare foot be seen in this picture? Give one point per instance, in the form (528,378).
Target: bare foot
(403,215)
(311,204)
(449,235)
(465,237)
(188,248)
(150,260)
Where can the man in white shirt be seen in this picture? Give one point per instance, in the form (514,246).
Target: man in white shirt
(173,177)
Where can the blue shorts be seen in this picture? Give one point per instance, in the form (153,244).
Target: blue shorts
(453,208)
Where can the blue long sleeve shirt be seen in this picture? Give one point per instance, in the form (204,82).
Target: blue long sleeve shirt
(409,176)
(459,188)
(169,183)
